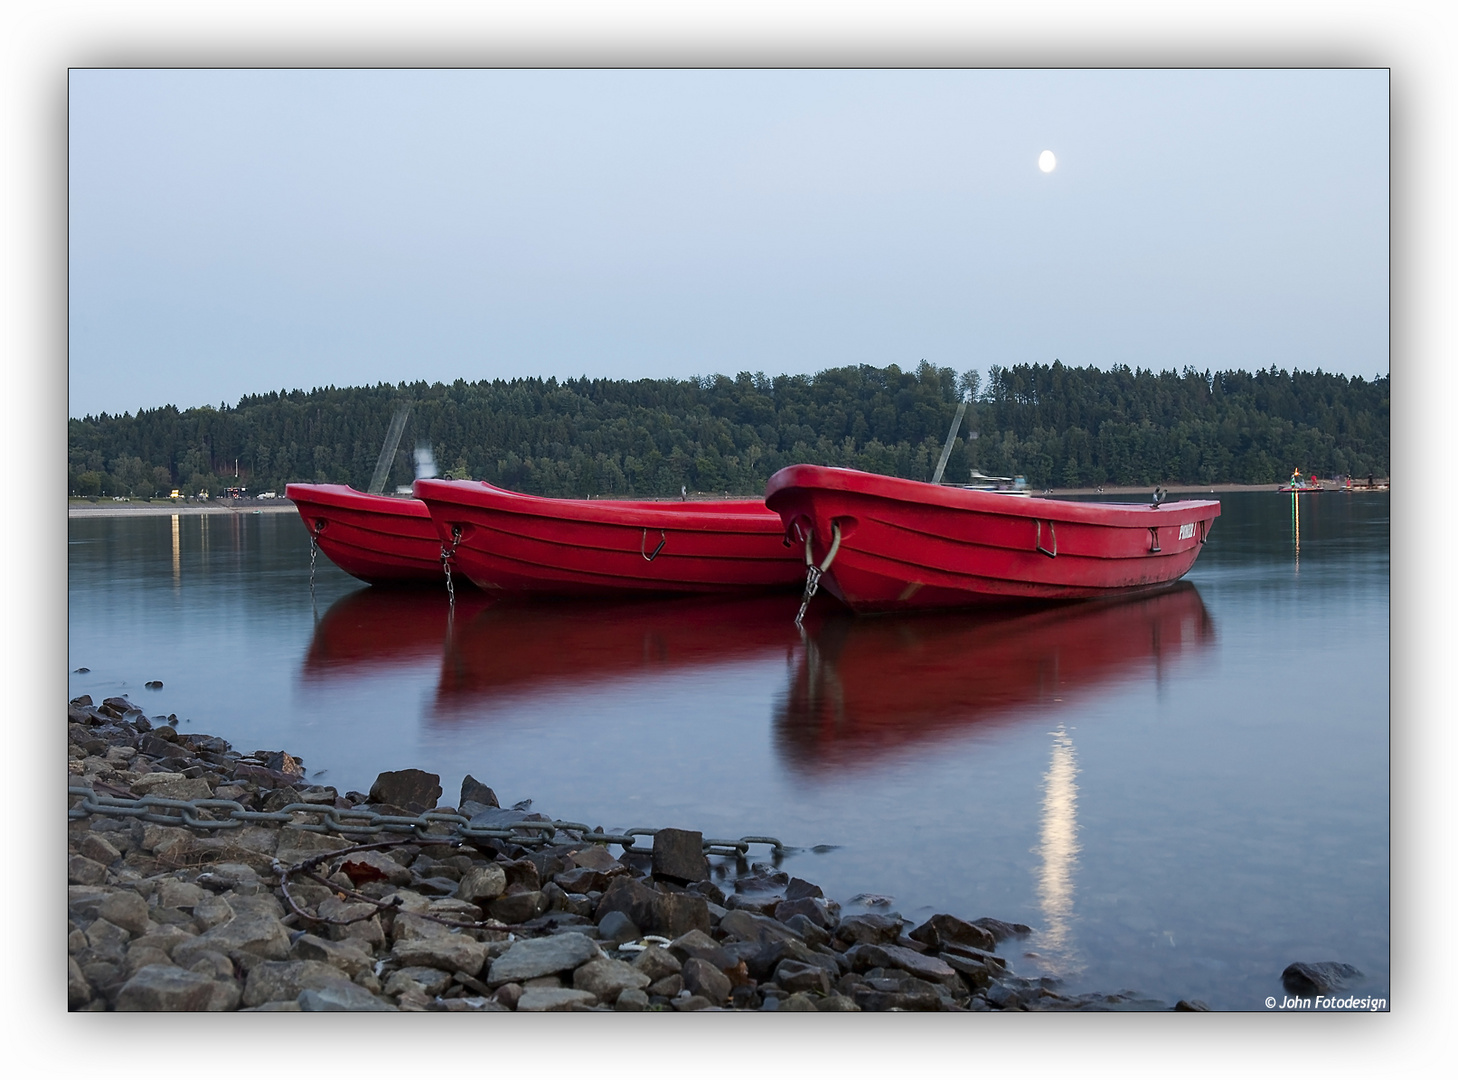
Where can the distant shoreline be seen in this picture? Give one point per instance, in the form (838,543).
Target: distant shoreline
(102,507)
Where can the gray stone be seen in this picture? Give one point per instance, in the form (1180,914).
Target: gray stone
(930,968)
(606,979)
(180,894)
(617,927)
(800,889)
(942,930)
(107,939)
(801,1002)
(413,789)
(535,957)
(85,901)
(226,996)
(1308,980)
(692,1003)
(657,963)
(519,907)
(296,845)
(126,909)
(449,952)
(597,857)
(668,986)
(342,997)
(869,929)
(165,938)
(284,980)
(78,990)
(262,936)
(212,911)
(976,974)
(704,979)
(837,1003)
(632,1001)
(794,976)
(1001,931)
(678,856)
(696,943)
(214,965)
(347,956)
(83,871)
(546,999)
(823,913)
(746,926)
(681,912)
(139,957)
(98,848)
(473,791)
(481,883)
(638,902)
(165,988)
(428,980)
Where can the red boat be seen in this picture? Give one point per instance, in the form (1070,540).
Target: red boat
(376,538)
(886,544)
(508,542)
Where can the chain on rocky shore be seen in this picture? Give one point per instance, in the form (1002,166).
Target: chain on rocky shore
(286,896)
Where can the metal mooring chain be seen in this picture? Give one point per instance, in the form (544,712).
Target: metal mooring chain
(213,814)
(446,552)
(813,573)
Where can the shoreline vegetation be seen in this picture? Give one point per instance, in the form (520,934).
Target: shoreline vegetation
(104,507)
(1061,428)
(269,916)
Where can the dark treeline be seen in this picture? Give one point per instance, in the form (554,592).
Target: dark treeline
(1057,426)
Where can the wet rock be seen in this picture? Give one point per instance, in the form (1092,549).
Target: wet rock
(942,930)
(165,988)
(1308,980)
(754,903)
(706,980)
(975,974)
(747,926)
(413,789)
(800,889)
(1192,1005)
(606,979)
(813,933)
(1001,931)
(678,856)
(342,997)
(930,968)
(698,944)
(546,999)
(794,975)
(823,913)
(869,930)
(535,957)
(284,980)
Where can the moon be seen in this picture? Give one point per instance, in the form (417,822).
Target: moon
(1046,161)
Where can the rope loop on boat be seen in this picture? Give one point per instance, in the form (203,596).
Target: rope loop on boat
(1038,542)
(643,545)
(813,573)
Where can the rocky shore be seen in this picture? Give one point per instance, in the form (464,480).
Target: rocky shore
(288,915)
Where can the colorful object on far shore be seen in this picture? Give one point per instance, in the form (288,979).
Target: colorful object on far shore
(1298,484)
(886,544)
(376,538)
(504,541)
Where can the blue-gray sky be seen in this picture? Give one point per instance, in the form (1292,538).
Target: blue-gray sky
(239,231)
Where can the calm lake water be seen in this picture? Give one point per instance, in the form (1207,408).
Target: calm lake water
(1182,794)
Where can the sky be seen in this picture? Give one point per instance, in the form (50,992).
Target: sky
(237,231)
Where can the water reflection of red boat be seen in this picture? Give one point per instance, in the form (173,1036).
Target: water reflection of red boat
(508,542)
(379,628)
(893,545)
(868,687)
(377,538)
(513,648)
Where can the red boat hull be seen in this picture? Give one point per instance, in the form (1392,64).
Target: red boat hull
(376,538)
(514,543)
(907,545)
